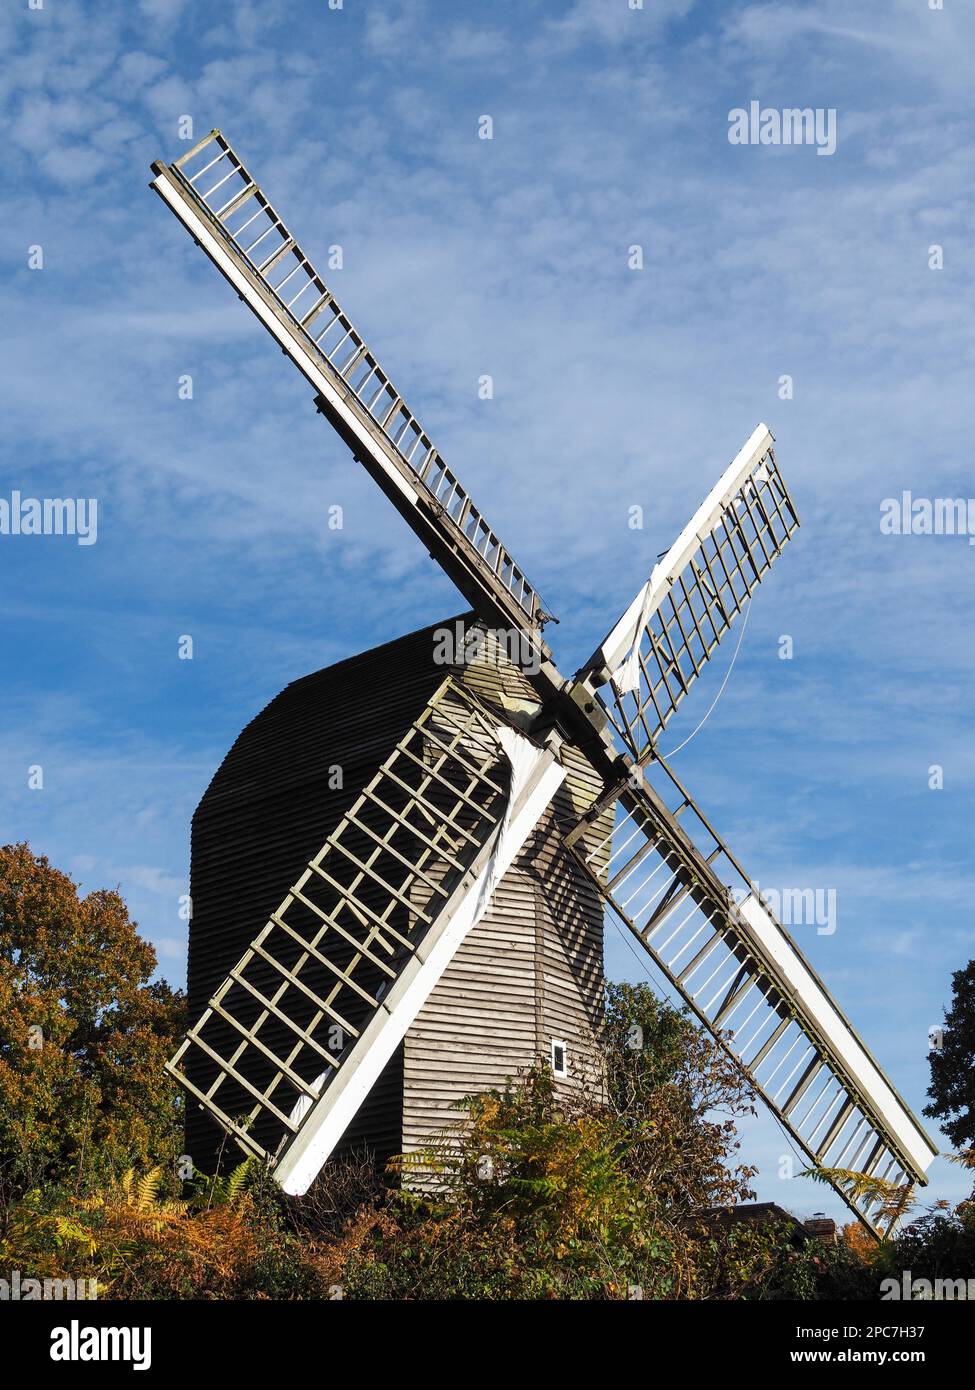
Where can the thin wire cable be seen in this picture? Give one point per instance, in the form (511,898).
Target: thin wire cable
(744,624)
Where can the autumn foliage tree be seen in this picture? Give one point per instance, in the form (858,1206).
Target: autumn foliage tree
(83,1033)
(664,1072)
(587,1193)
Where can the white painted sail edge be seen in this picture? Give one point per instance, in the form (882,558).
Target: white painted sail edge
(536,777)
(626,676)
(619,652)
(817,1004)
(290,343)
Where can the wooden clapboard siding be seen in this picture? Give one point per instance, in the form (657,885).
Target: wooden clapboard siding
(478,1026)
(269,809)
(530,971)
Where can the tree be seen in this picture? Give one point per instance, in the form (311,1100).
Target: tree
(663,1071)
(952,1088)
(83,1033)
(583,1193)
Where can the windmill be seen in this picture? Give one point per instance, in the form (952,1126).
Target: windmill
(485,791)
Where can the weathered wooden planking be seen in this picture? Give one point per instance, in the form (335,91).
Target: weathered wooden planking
(531,970)
(529,973)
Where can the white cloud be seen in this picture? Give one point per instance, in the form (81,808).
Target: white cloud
(613,24)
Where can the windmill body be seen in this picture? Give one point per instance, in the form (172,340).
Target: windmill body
(524,982)
(484,799)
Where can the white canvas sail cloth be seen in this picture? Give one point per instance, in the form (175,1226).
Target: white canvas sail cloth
(620,652)
(626,677)
(536,775)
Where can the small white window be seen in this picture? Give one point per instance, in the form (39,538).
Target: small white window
(560,1058)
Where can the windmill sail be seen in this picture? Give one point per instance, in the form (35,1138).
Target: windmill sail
(217,200)
(674,884)
(658,648)
(295,1036)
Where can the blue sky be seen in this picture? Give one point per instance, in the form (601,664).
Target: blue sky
(613,387)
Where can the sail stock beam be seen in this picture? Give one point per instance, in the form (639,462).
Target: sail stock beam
(228,215)
(677,888)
